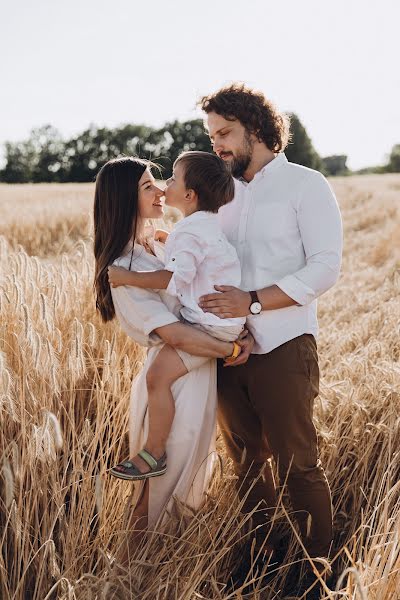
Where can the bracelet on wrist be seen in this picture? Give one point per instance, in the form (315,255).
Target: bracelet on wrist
(236,351)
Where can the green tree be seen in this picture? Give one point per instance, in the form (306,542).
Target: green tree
(335,164)
(46,157)
(86,153)
(37,159)
(177,137)
(49,152)
(20,160)
(394,159)
(300,149)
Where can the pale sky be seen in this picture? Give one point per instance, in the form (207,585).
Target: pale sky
(334,63)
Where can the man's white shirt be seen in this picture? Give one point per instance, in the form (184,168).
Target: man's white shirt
(286,227)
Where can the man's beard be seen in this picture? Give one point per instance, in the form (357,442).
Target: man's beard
(239,164)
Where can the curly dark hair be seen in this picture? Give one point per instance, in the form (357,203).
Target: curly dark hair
(257,114)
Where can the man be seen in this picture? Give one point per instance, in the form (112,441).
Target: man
(285,225)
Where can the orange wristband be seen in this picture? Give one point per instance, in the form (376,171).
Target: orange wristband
(236,351)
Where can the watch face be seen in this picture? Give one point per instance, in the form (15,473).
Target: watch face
(255,308)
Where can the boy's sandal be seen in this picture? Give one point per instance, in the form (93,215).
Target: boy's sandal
(129,471)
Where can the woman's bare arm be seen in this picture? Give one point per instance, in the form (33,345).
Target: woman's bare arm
(193,341)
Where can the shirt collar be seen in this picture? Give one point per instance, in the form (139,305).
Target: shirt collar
(199,215)
(279,160)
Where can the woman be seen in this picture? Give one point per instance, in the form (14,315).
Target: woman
(126,195)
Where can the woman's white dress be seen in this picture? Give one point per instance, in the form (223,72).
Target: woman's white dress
(191,443)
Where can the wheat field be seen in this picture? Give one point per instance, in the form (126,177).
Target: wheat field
(65,380)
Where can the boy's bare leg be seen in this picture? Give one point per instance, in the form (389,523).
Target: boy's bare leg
(166,368)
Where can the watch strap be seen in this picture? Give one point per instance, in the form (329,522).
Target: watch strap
(254,297)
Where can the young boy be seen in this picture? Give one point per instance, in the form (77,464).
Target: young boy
(197,256)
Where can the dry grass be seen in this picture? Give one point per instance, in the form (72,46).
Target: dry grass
(45,219)
(64,387)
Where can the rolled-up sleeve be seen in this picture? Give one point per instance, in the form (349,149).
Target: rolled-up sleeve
(320,227)
(183,258)
(139,312)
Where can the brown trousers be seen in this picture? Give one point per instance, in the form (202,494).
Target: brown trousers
(265,409)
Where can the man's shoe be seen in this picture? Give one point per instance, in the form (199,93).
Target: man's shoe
(252,574)
(309,587)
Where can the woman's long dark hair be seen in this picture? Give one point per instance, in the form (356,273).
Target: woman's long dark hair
(115,221)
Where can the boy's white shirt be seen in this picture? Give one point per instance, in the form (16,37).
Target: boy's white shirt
(199,256)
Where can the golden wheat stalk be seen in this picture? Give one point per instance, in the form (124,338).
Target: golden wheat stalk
(65,381)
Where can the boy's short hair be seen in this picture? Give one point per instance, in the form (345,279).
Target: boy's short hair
(256,113)
(208,176)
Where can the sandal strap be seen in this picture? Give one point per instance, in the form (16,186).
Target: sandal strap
(128,464)
(149,458)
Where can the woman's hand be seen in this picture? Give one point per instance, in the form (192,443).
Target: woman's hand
(118,276)
(246,342)
(160,235)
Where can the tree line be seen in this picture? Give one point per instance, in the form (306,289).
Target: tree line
(46,157)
